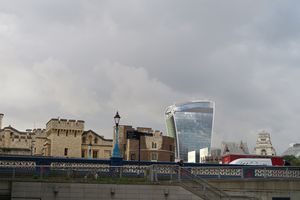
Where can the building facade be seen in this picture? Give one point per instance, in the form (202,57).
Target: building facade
(95,146)
(154,146)
(191,125)
(234,148)
(264,145)
(61,138)
(14,142)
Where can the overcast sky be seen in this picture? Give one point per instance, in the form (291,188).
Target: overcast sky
(87,59)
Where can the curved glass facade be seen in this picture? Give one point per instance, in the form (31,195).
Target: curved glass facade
(191,124)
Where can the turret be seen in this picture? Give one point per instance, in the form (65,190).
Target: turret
(1,117)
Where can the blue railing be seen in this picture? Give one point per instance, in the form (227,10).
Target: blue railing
(41,165)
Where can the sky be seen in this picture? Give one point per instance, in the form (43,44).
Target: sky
(85,60)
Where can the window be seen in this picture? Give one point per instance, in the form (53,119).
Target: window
(171,147)
(66,151)
(83,139)
(154,156)
(75,133)
(96,140)
(66,133)
(90,139)
(58,133)
(132,156)
(154,145)
(95,153)
(263,152)
(82,153)
(171,158)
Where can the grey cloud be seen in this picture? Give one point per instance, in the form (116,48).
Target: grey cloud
(85,59)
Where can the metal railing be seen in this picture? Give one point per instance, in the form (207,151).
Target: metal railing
(197,185)
(104,174)
(7,169)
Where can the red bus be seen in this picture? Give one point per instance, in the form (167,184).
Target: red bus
(249,159)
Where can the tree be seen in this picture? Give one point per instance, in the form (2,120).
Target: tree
(292,160)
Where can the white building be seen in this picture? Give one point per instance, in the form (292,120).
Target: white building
(264,145)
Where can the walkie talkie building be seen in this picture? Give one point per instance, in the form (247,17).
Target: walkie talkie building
(191,124)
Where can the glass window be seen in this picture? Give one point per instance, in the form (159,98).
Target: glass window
(95,153)
(66,151)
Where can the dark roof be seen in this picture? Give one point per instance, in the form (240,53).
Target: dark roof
(11,128)
(94,133)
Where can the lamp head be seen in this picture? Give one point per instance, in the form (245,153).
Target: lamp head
(117,118)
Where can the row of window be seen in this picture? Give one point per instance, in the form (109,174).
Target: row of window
(17,139)
(154,146)
(66,132)
(94,153)
(90,139)
(153,155)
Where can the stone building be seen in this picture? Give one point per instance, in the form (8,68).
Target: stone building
(234,148)
(15,142)
(264,145)
(153,147)
(62,138)
(95,146)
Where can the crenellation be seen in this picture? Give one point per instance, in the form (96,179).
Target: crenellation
(62,138)
(65,124)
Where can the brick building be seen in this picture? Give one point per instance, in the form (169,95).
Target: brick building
(153,147)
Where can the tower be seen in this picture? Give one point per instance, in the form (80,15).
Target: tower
(191,124)
(63,138)
(264,145)
(1,117)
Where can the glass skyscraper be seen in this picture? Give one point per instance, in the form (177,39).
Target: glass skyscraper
(191,124)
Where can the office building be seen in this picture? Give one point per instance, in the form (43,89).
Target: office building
(293,150)
(191,125)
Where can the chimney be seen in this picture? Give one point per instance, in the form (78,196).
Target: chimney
(1,117)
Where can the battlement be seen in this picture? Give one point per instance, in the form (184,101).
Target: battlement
(65,124)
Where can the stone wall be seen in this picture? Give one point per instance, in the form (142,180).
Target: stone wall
(260,189)
(70,191)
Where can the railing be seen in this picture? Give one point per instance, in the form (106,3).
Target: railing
(102,174)
(197,185)
(206,171)
(192,178)
(230,172)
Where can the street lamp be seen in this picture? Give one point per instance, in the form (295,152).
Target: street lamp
(116,151)
(90,150)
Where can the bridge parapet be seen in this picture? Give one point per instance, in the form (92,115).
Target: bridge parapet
(162,170)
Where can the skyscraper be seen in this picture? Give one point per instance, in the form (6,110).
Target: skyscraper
(191,124)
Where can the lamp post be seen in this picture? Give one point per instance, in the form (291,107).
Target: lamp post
(90,150)
(116,151)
